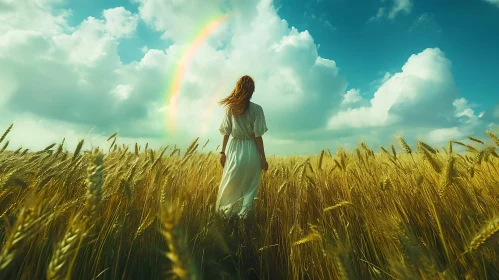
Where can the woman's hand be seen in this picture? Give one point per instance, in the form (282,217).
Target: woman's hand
(222,160)
(265,164)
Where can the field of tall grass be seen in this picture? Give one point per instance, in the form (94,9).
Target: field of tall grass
(119,212)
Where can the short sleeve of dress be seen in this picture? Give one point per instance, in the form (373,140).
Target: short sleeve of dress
(226,125)
(260,126)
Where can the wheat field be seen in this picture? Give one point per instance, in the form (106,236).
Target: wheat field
(120,212)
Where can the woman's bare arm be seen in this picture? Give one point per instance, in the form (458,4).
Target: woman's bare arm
(259,144)
(224,142)
(263,159)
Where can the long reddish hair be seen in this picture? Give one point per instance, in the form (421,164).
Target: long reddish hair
(239,99)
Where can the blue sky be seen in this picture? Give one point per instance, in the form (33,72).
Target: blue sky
(467,31)
(328,73)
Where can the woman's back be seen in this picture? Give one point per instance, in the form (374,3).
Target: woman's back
(248,125)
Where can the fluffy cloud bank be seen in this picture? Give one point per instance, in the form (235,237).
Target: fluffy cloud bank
(424,84)
(75,75)
(419,101)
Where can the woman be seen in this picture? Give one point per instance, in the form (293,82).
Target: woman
(245,158)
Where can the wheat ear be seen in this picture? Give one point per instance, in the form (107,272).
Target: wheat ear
(181,265)
(493,137)
(59,266)
(487,233)
(6,132)
(94,182)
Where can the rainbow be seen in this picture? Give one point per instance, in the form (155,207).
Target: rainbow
(173,92)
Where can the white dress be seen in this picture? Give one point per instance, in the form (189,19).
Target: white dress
(242,172)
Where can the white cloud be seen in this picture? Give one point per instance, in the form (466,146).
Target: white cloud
(424,84)
(397,7)
(70,73)
(178,20)
(493,2)
(426,23)
(379,15)
(122,92)
(400,6)
(35,16)
(442,135)
(351,97)
(120,22)
(464,111)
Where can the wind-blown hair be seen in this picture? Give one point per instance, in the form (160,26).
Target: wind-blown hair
(239,99)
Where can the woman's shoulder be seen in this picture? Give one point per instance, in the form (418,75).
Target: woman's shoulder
(255,106)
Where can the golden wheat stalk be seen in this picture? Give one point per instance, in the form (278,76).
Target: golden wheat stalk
(338,164)
(404,145)
(470,148)
(487,233)
(394,152)
(459,143)
(366,149)
(384,151)
(448,176)
(479,156)
(6,132)
(471,171)
(493,137)
(191,147)
(78,149)
(385,184)
(49,147)
(112,136)
(427,147)
(113,144)
(492,151)
(359,155)
(94,182)
(148,220)
(28,221)
(474,139)
(65,250)
(343,203)
(123,153)
(4,147)
(173,152)
(205,144)
(320,160)
(283,185)
(182,266)
(151,155)
(159,158)
(60,147)
(433,162)
(309,238)
(22,229)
